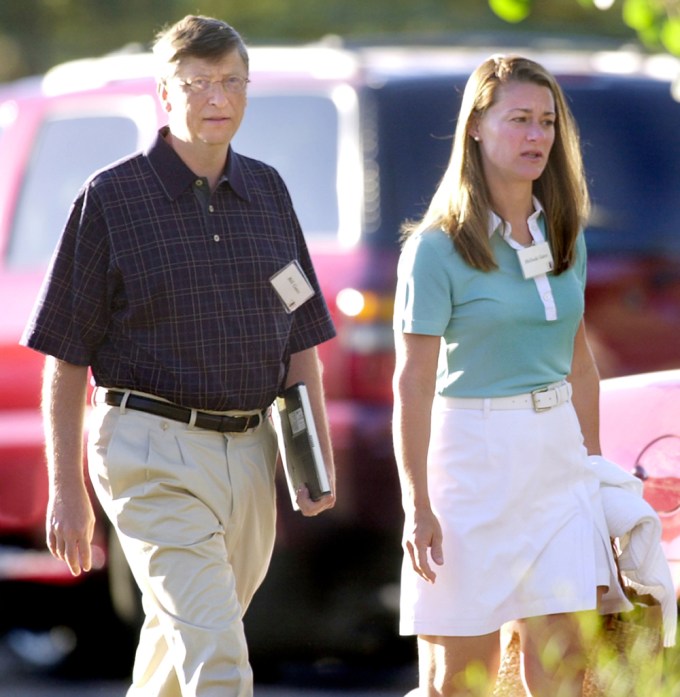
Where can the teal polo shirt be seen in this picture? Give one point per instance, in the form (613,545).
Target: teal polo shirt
(501,333)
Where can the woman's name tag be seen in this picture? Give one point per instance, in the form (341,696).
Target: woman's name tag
(535,260)
(292,286)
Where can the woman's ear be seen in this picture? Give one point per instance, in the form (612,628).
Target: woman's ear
(473,129)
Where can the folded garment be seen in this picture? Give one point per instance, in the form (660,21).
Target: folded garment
(637,526)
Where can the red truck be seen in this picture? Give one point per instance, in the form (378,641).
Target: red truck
(362,136)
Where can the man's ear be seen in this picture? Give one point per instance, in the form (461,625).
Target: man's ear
(162,90)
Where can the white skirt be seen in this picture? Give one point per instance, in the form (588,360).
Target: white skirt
(523,527)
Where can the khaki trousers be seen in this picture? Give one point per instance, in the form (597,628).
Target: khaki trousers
(195,511)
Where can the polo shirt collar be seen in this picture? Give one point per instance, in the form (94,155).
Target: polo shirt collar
(497,224)
(175,177)
(233,174)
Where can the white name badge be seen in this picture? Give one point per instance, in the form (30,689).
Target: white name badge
(535,260)
(292,286)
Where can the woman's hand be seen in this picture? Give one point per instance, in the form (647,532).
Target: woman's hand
(423,542)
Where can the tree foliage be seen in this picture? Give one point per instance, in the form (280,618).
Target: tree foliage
(36,34)
(656,22)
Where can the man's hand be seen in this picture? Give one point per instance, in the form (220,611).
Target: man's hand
(311,508)
(306,367)
(70,526)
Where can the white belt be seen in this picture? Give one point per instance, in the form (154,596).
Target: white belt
(542,399)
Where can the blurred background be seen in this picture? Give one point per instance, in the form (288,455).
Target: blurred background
(36,34)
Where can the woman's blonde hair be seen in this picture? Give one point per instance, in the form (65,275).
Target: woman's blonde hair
(461,203)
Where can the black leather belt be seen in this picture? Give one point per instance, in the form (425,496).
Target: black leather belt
(210,422)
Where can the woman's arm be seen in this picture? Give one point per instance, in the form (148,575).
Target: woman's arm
(585,382)
(414,384)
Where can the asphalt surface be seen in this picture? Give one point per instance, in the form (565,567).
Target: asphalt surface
(20,677)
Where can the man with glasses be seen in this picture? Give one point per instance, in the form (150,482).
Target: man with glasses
(162,285)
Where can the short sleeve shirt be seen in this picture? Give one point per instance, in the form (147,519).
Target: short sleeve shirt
(496,339)
(164,287)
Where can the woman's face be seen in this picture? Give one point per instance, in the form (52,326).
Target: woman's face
(516,133)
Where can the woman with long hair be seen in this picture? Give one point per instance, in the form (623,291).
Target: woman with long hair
(496,397)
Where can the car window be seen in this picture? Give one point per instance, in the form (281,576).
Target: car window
(414,123)
(298,135)
(631,146)
(65,153)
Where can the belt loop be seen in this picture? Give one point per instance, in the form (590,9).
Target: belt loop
(192,419)
(123,401)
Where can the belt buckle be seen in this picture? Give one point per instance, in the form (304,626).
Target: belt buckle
(535,404)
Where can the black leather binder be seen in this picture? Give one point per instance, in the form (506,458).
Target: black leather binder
(298,443)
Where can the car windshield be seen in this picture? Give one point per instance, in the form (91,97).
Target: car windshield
(629,131)
(297,134)
(631,147)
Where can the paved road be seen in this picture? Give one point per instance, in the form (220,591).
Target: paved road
(19,679)
(113,690)
(27,686)
(52,689)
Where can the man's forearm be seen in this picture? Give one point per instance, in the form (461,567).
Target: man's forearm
(63,405)
(70,517)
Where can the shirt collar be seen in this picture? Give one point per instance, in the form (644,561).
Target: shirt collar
(175,177)
(496,223)
(233,174)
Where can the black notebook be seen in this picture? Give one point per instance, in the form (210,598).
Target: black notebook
(298,443)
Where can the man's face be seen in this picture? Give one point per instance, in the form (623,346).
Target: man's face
(205,100)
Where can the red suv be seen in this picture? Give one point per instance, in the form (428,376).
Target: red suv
(361,136)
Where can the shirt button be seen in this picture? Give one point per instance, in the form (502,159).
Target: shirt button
(547,296)
(216,238)
(199,182)
(165,425)
(211,208)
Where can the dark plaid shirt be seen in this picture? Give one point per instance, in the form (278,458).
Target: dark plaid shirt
(161,286)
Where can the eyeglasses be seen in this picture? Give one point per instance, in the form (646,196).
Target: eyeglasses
(201,85)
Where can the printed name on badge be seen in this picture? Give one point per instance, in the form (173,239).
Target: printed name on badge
(292,286)
(535,260)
